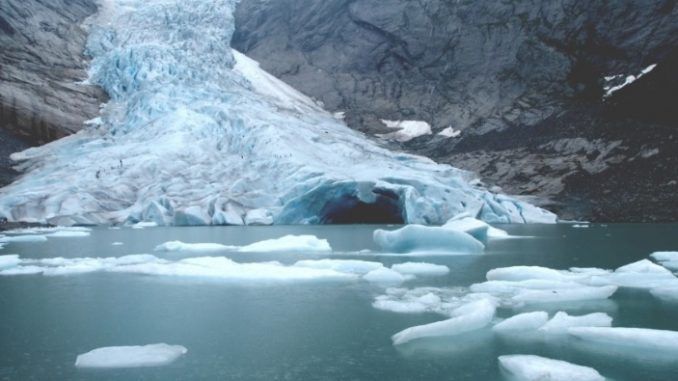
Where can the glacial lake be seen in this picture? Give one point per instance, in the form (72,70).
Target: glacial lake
(305,330)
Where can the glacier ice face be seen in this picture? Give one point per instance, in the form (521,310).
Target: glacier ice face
(131,356)
(198,134)
(537,368)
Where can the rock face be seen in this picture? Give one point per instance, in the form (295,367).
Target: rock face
(524,81)
(41,67)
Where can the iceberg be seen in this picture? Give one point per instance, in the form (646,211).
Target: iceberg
(480,230)
(643,274)
(351,266)
(565,295)
(10,260)
(668,259)
(427,239)
(195,133)
(193,247)
(666,293)
(69,234)
(561,322)
(131,356)
(640,339)
(469,317)
(425,299)
(536,368)
(420,268)
(289,243)
(525,322)
(384,275)
(23,238)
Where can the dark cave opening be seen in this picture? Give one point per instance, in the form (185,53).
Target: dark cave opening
(349,209)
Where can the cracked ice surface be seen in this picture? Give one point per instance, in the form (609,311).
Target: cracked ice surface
(196,134)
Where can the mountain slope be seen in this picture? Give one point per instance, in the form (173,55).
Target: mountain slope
(195,133)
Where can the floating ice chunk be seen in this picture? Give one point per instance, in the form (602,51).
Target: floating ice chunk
(351,266)
(23,238)
(643,266)
(536,368)
(144,224)
(511,287)
(519,273)
(258,217)
(425,299)
(192,247)
(665,256)
(386,276)
(130,356)
(289,243)
(478,229)
(117,243)
(564,295)
(22,270)
(668,293)
(9,260)
(46,230)
(580,226)
(528,321)
(420,268)
(427,239)
(69,234)
(642,339)
(561,321)
(470,317)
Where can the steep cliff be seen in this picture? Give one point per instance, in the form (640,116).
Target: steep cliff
(42,66)
(525,82)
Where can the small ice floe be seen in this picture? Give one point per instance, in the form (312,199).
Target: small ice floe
(424,299)
(668,259)
(480,230)
(289,243)
(297,243)
(418,239)
(642,274)
(68,234)
(528,321)
(48,230)
(193,247)
(667,293)
(420,268)
(577,294)
(7,261)
(468,317)
(450,132)
(386,276)
(581,226)
(117,243)
(131,356)
(350,266)
(23,238)
(561,322)
(144,224)
(640,339)
(536,368)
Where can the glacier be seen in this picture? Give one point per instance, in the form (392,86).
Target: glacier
(196,133)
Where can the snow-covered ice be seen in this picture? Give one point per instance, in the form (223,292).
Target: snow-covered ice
(469,317)
(69,234)
(528,321)
(613,83)
(576,294)
(10,260)
(48,230)
(131,356)
(427,239)
(406,129)
(449,132)
(425,299)
(420,268)
(641,339)
(668,259)
(536,368)
(231,144)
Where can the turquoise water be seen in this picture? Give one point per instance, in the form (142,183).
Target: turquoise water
(308,330)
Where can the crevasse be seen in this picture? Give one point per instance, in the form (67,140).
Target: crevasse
(196,133)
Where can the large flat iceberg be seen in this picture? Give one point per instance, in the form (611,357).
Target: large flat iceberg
(131,356)
(197,134)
